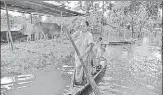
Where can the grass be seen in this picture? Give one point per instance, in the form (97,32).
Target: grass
(28,57)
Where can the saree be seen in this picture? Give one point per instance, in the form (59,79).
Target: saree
(82,42)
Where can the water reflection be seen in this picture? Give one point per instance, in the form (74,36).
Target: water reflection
(16,82)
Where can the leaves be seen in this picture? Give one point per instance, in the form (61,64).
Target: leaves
(4,21)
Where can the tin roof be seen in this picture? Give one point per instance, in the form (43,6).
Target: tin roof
(39,7)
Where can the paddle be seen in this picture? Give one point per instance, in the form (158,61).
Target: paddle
(89,76)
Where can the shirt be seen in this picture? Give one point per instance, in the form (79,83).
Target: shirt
(102,54)
(97,47)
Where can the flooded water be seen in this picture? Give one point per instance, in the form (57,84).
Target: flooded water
(42,83)
(131,70)
(120,79)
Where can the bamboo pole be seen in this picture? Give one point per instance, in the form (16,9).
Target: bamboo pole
(89,76)
(9,32)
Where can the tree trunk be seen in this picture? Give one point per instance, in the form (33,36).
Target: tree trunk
(89,76)
(132,25)
(140,34)
(88,6)
(8,25)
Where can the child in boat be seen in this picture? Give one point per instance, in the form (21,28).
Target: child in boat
(97,45)
(95,50)
(101,56)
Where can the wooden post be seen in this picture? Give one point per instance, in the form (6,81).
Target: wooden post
(8,25)
(7,38)
(89,76)
(31,18)
(102,18)
(61,26)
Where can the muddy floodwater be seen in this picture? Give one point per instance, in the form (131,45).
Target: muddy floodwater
(44,83)
(131,70)
(134,69)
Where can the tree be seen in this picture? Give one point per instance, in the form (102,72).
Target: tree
(4,21)
(141,12)
(91,8)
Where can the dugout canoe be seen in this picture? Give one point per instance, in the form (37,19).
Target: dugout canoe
(77,90)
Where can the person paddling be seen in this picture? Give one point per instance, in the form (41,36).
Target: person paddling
(84,42)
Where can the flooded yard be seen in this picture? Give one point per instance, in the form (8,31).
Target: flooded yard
(43,60)
(38,55)
(132,69)
(50,83)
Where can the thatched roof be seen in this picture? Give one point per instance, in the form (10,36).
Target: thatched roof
(39,7)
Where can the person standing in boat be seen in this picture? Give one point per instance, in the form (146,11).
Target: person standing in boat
(84,42)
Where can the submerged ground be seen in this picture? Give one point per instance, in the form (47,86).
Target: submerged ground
(132,69)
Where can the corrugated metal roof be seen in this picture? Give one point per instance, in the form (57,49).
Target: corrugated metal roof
(39,7)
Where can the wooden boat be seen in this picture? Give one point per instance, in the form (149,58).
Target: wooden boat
(77,90)
(120,43)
